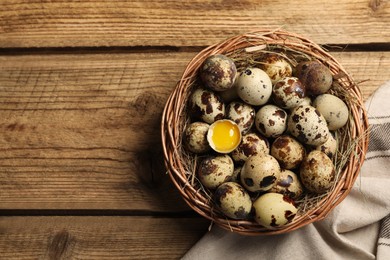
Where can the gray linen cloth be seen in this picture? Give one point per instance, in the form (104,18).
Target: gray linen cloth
(358,228)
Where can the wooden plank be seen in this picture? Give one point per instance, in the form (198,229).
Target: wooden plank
(192,23)
(82,131)
(98,237)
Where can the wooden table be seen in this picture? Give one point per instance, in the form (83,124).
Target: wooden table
(82,88)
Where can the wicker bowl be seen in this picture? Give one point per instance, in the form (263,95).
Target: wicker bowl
(352,138)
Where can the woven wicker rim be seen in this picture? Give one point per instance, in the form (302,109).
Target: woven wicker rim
(174,116)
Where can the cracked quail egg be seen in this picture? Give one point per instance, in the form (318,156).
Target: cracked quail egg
(274,209)
(224,136)
(218,72)
(317,172)
(276,67)
(241,113)
(260,172)
(288,184)
(288,92)
(206,106)
(251,144)
(334,110)
(254,86)
(233,200)
(288,151)
(271,121)
(215,170)
(307,125)
(195,137)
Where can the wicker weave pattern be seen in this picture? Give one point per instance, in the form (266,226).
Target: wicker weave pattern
(174,119)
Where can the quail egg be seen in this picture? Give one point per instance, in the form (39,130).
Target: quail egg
(206,106)
(317,172)
(233,200)
(307,125)
(224,136)
(274,210)
(288,184)
(271,121)
(260,172)
(334,110)
(218,72)
(236,174)
(241,113)
(195,137)
(329,147)
(276,67)
(251,144)
(316,77)
(254,86)
(215,170)
(288,151)
(229,95)
(289,92)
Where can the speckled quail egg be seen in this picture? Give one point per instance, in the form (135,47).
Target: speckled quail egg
(306,101)
(218,72)
(316,77)
(236,177)
(195,137)
(334,110)
(288,184)
(251,144)
(288,151)
(329,147)
(307,125)
(271,121)
(276,67)
(274,210)
(229,95)
(206,106)
(254,86)
(317,172)
(260,172)
(233,200)
(288,92)
(241,113)
(215,170)
(224,136)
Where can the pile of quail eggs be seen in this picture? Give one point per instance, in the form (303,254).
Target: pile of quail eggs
(286,118)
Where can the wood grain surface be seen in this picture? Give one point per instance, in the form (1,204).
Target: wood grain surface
(82,131)
(61,23)
(97,237)
(82,88)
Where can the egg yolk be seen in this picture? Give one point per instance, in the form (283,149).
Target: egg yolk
(225,136)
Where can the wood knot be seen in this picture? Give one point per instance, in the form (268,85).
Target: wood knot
(59,245)
(375,5)
(146,102)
